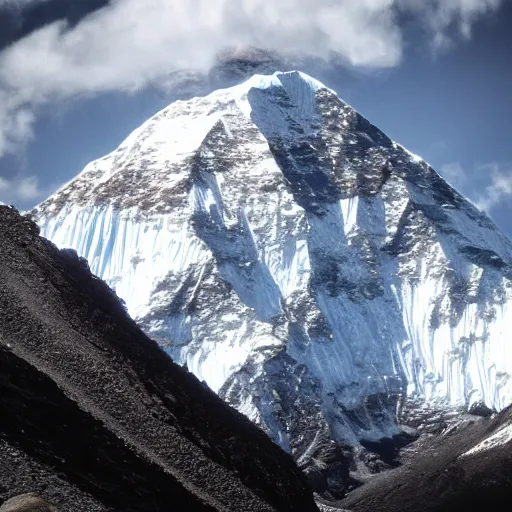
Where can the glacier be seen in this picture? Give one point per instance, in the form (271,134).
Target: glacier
(314,273)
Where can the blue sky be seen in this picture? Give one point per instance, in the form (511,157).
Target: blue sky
(434,75)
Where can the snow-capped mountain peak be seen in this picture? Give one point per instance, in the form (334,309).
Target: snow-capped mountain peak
(314,273)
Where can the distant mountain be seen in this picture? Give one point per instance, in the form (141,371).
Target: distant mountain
(315,274)
(95,417)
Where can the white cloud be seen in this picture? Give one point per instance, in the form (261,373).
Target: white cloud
(500,188)
(454,174)
(20,189)
(16,121)
(442,15)
(488,185)
(132,43)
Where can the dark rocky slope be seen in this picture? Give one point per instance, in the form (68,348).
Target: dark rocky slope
(93,416)
(468,467)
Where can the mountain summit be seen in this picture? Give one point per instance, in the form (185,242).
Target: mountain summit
(319,277)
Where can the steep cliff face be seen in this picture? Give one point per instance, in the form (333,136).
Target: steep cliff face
(95,417)
(313,272)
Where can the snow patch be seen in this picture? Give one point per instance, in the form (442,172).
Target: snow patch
(502,437)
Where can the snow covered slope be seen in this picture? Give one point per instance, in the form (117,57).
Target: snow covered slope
(310,270)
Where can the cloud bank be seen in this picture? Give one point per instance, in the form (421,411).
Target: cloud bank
(130,44)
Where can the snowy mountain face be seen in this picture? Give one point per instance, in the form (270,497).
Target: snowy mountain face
(317,276)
